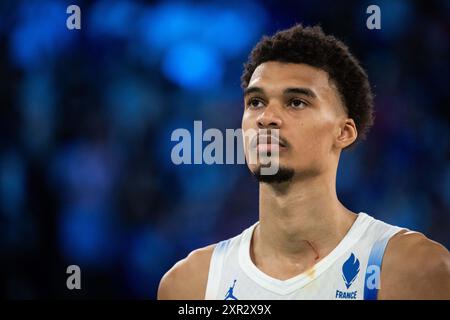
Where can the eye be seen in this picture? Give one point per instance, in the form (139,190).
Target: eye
(255,103)
(297,103)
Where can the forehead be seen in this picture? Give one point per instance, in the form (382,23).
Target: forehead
(276,76)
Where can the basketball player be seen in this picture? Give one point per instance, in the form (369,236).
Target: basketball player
(306,244)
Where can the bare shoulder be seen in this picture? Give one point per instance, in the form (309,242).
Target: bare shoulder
(415,267)
(187,279)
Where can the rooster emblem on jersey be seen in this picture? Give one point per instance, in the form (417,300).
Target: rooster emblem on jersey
(350,270)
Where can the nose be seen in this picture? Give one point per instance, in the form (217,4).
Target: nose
(269,119)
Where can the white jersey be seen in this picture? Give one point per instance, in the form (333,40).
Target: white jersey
(350,271)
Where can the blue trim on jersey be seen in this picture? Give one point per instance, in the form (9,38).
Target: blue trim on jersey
(374,269)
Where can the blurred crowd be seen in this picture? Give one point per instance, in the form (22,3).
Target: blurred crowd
(86,176)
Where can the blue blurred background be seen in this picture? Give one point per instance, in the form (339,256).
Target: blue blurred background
(86,118)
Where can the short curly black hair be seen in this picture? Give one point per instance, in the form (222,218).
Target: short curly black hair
(311,46)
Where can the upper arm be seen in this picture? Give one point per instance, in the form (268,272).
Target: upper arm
(414,267)
(187,279)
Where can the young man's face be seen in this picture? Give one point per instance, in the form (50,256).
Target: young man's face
(304,105)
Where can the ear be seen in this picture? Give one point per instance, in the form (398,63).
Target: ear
(347,134)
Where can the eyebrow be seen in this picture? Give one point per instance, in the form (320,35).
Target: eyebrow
(303,91)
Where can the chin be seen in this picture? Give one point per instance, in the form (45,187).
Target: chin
(284,174)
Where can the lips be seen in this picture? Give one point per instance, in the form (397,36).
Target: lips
(267,148)
(266,142)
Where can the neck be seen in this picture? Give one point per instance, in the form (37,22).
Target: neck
(301,219)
